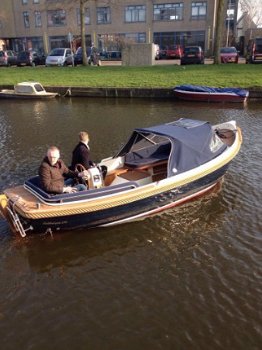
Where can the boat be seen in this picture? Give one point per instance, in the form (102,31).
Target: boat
(27,90)
(158,168)
(210,94)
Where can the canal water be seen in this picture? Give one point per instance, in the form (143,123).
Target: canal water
(189,278)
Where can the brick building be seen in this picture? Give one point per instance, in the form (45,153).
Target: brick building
(45,24)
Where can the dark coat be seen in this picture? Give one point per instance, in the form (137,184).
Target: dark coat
(52,176)
(81,156)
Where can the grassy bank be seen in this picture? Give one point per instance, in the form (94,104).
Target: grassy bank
(165,76)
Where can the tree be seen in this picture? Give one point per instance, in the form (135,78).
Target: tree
(254,10)
(82,26)
(220,20)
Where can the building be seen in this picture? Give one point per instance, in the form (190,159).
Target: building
(45,24)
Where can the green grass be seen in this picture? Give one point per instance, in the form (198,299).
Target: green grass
(241,75)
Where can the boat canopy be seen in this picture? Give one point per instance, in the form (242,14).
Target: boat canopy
(30,88)
(212,90)
(185,143)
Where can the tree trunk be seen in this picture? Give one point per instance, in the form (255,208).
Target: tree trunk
(220,20)
(82,25)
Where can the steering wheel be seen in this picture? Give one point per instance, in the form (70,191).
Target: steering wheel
(79,168)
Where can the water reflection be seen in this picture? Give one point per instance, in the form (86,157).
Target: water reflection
(168,233)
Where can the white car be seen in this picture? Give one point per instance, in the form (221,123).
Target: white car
(59,57)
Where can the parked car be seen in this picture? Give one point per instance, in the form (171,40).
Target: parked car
(162,54)
(78,56)
(192,55)
(229,54)
(93,56)
(112,55)
(8,58)
(174,51)
(59,57)
(254,51)
(156,51)
(30,58)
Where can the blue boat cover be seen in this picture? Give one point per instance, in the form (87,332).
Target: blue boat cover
(191,144)
(210,90)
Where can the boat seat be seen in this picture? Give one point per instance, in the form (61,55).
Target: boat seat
(32,185)
(148,156)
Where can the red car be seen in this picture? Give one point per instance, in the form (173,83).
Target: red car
(174,51)
(229,55)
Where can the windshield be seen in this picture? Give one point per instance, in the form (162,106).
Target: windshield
(258,43)
(228,50)
(191,50)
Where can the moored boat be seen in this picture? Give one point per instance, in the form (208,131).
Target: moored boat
(27,90)
(158,168)
(210,94)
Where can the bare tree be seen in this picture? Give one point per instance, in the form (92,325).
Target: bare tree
(254,10)
(220,20)
(82,23)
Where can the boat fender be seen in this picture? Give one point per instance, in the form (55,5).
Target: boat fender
(3,205)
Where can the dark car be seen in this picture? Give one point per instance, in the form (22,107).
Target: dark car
(30,58)
(93,56)
(192,55)
(116,55)
(78,56)
(229,54)
(254,51)
(8,58)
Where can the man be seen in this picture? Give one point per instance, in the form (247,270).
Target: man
(53,173)
(81,152)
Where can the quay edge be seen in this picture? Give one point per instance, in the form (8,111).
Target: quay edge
(255,93)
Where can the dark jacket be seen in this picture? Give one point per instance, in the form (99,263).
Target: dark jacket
(81,156)
(52,177)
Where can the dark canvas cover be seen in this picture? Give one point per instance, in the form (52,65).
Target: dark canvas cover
(193,143)
(210,90)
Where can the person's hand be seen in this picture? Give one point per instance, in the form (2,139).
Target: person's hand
(83,173)
(69,189)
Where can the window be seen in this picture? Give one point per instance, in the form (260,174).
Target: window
(103,15)
(135,37)
(56,18)
(135,14)
(24,2)
(38,20)
(35,1)
(87,16)
(26,19)
(199,10)
(168,12)
(58,41)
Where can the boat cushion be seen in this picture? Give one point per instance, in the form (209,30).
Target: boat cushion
(32,185)
(148,155)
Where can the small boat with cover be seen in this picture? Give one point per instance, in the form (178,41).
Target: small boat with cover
(27,90)
(158,168)
(210,94)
